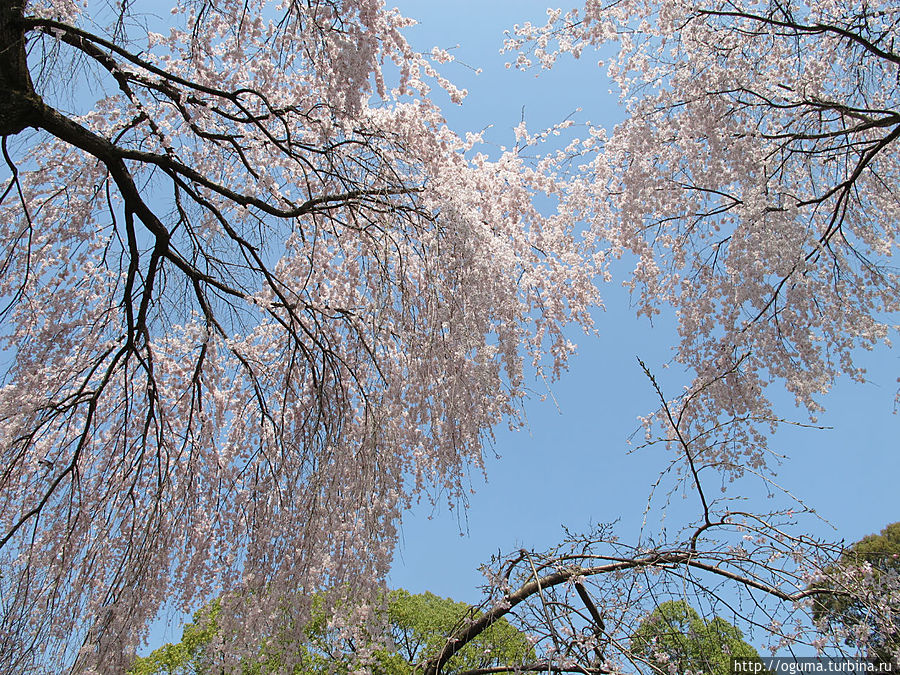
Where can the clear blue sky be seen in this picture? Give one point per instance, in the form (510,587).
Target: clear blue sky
(572,467)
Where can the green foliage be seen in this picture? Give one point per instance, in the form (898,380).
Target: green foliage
(187,656)
(675,638)
(420,625)
(882,552)
(418,628)
(194,656)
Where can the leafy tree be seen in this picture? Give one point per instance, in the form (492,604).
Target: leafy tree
(182,658)
(420,624)
(674,638)
(865,575)
(251,299)
(418,627)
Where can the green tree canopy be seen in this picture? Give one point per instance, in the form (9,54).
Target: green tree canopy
(846,609)
(418,627)
(185,657)
(675,638)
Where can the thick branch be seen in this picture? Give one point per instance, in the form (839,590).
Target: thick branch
(571,574)
(462,638)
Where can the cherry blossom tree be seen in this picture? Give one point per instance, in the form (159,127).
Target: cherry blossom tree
(753,184)
(754,187)
(877,558)
(255,298)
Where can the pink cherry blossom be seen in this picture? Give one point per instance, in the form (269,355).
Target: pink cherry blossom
(256,299)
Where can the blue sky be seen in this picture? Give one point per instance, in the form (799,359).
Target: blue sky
(572,465)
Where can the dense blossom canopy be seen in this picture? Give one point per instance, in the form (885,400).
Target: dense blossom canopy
(255,297)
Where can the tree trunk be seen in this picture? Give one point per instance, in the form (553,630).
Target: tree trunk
(17,95)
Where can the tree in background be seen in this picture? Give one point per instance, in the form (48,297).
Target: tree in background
(873,561)
(417,627)
(185,657)
(253,297)
(675,638)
